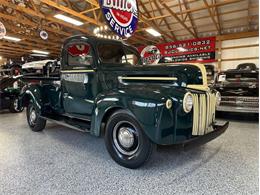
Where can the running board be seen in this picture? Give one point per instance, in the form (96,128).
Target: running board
(69,122)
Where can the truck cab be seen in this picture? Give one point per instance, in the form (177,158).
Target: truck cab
(103,88)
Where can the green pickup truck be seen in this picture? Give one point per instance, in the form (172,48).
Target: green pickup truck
(105,89)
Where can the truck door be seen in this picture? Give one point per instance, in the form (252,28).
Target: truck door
(78,79)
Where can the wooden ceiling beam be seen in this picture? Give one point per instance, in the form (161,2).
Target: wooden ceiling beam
(149,16)
(29,45)
(212,16)
(203,17)
(218,17)
(190,19)
(93,2)
(89,10)
(42,16)
(32,24)
(71,12)
(9,55)
(176,17)
(165,21)
(238,35)
(219,4)
(33,36)
(211,31)
(155,27)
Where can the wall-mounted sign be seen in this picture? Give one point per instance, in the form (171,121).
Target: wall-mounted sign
(121,16)
(2,30)
(44,35)
(195,50)
(151,55)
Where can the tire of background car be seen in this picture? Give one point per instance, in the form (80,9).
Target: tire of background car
(34,120)
(14,106)
(125,140)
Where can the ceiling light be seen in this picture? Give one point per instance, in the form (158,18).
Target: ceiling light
(40,52)
(39,55)
(153,32)
(12,38)
(0,57)
(68,19)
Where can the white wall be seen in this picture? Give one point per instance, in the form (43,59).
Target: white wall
(246,52)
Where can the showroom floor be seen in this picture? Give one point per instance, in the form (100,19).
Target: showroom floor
(63,161)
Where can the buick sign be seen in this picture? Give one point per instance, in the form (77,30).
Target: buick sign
(2,30)
(121,16)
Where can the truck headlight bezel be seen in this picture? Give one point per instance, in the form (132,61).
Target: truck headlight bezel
(168,104)
(187,102)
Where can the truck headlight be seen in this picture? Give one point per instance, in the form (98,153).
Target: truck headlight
(218,98)
(187,102)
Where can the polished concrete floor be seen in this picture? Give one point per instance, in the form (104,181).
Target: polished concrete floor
(63,161)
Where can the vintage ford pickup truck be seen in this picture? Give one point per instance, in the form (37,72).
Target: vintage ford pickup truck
(104,89)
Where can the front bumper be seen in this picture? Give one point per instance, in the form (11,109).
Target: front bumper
(238,109)
(200,140)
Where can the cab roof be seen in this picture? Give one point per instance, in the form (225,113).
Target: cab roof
(93,39)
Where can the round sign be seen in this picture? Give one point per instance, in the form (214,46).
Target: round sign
(121,16)
(151,55)
(2,30)
(44,35)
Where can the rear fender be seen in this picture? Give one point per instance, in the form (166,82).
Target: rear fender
(32,93)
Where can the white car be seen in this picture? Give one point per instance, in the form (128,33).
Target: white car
(36,66)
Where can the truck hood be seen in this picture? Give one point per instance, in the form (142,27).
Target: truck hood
(156,93)
(177,75)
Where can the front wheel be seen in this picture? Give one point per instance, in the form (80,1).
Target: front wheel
(34,120)
(125,140)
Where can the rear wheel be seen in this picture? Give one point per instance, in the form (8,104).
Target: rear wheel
(34,120)
(125,140)
(14,106)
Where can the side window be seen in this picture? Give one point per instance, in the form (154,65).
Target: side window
(130,57)
(110,53)
(80,54)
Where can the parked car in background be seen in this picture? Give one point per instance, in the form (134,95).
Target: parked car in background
(211,74)
(14,68)
(239,89)
(36,67)
(5,72)
(9,92)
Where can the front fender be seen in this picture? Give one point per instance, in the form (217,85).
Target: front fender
(148,111)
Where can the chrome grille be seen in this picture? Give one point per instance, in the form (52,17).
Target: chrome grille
(243,101)
(204,108)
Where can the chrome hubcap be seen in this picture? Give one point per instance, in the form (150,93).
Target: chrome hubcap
(125,138)
(32,116)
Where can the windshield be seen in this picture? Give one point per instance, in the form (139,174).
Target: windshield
(110,53)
